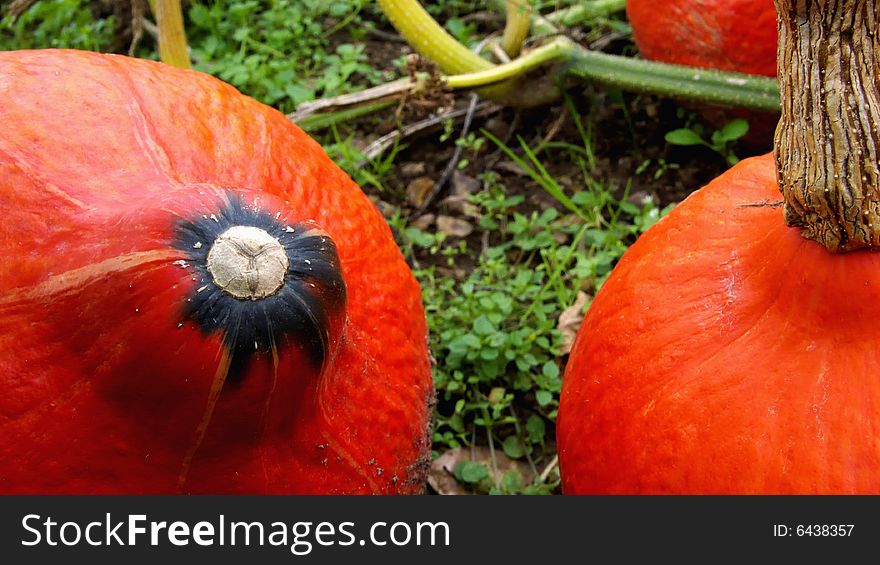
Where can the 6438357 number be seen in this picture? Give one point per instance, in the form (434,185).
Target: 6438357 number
(813,530)
(824,530)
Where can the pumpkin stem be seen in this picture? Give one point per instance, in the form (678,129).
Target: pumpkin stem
(263,284)
(827,144)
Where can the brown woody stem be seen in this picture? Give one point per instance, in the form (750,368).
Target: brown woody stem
(827,143)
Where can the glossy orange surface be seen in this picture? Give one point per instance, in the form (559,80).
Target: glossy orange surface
(103,383)
(727,354)
(732,35)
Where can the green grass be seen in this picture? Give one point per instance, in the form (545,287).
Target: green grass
(57,23)
(494,333)
(279,51)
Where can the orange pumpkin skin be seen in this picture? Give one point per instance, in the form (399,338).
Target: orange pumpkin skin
(727,354)
(731,35)
(104,381)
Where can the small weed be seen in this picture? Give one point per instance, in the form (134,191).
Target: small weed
(661,167)
(276,51)
(721,141)
(57,23)
(473,144)
(364,171)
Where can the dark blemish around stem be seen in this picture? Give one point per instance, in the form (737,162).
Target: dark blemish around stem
(300,312)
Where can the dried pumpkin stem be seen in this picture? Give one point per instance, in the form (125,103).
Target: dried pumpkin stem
(827,143)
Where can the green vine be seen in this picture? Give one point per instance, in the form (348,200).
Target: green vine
(430,40)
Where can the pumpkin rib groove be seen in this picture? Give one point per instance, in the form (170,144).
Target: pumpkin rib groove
(332,440)
(153,148)
(264,419)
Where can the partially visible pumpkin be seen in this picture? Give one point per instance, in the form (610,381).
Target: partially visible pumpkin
(193,297)
(726,352)
(729,35)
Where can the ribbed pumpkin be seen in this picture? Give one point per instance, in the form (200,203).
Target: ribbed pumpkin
(734,348)
(193,297)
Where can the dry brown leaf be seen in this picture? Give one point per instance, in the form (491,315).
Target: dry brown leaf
(441,475)
(418,189)
(510,167)
(454,226)
(412,169)
(462,184)
(459,203)
(570,321)
(455,272)
(423,222)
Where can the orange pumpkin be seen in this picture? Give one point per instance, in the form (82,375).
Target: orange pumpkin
(730,35)
(193,297)
(727,353)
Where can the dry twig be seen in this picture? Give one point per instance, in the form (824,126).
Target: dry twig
(18,7)
(456,155)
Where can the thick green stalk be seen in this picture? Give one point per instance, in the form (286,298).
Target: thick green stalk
(702,85)
(675,81)
(430,40)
